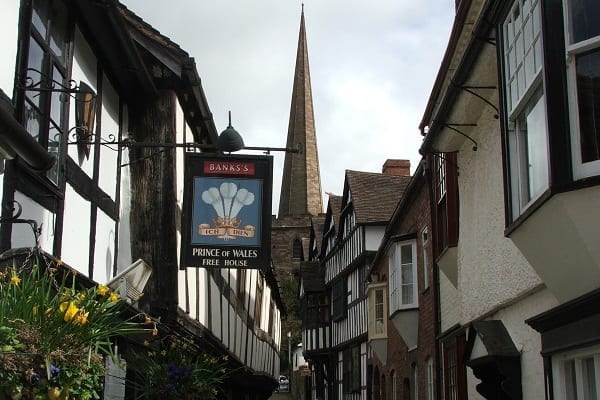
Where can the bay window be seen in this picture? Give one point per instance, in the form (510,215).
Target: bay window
(576,374)
(403,276)
(377,310)
(582,23)
(43,110)
(527,135)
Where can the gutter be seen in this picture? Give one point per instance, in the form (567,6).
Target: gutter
(480,31)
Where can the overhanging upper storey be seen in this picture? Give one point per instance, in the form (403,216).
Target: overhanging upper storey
(467,82)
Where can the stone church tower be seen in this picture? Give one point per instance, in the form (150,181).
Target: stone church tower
(300,200)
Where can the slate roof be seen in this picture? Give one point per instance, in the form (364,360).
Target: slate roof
(375,195)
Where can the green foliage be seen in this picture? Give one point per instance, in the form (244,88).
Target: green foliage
(177,369)
(52,333)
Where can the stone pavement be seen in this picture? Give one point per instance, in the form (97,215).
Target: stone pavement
(281,396)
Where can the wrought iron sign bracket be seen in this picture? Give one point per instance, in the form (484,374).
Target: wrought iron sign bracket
(15,208)
(51,85)
(131,143)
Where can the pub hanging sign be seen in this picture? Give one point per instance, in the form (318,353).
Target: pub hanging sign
(226,218)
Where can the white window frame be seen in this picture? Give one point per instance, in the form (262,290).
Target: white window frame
(373,328)
(430,392)
(415,378)
(425,252)
(396,283)
(524,89)
(580,169)
(559,372)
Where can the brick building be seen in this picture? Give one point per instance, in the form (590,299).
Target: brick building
(401,300)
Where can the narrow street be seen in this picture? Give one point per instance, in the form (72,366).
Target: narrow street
(280,396)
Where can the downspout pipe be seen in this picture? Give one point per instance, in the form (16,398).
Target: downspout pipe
(15,141)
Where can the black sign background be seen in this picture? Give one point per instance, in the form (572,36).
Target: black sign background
(208,249)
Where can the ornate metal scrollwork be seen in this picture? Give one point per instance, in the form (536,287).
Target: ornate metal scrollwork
(15,209)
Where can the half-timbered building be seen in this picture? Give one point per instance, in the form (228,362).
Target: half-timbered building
(348,248)
(103,108)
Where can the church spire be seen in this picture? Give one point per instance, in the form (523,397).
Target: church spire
(301,185)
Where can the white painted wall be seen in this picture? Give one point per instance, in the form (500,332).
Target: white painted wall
(450,310)
(491,270)
(22,234)
(84,69)
(493,276)
(9,18)
(373,236)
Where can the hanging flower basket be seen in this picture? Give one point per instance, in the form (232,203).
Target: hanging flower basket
(54,334)
(176,368)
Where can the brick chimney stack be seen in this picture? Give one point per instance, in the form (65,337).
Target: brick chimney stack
(396,167)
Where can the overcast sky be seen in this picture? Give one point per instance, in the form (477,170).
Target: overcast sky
(372,66)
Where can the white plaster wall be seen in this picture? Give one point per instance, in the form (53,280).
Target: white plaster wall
(449,303)
(9,17)
(84,69)
(491,269)
(527,341)
(22,234)
(76,231)
(373,236)
(107,180)
(104,252)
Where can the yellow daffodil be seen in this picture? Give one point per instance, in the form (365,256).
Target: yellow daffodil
(82,317)
(146,343)
(54,393)
(113,297)
(63,306)
(102,290)
(72,310)
(15,280)
(34,310)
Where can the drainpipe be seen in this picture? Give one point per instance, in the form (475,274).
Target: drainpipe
(16,141)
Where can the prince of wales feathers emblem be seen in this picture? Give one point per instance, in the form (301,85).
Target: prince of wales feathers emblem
(227,202)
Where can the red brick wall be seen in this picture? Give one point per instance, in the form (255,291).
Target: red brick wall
(414,218)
